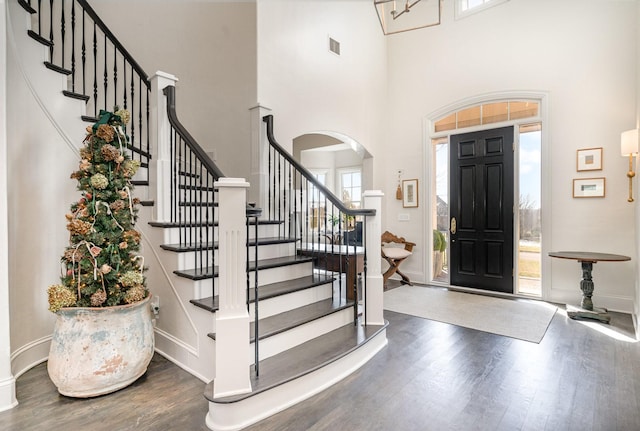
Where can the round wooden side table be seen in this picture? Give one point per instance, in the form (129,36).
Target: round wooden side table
(587,259)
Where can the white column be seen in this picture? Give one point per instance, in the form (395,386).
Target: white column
(259,156)
(232,317)
(7,381)
(160,163)
(372,199)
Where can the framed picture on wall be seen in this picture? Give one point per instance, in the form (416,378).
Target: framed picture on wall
(410,193)
(589,159)
(588,188)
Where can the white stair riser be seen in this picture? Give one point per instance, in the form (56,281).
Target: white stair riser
(173,235)
(266,230)
(194,289)
(293,337)
(282,273)
(280,304)
(272,251)
(195,214)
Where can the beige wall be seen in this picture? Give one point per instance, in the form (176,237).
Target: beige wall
(583,56)
(310,89)
(210,47)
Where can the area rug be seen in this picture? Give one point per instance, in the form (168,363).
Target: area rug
(522,319)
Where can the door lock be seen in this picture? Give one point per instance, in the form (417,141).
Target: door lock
(453,228)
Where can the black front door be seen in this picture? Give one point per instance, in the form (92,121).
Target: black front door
(481,196)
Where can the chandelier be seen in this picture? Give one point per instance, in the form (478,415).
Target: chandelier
(397,16)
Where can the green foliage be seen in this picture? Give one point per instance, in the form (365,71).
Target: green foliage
(103,242)
(439,241)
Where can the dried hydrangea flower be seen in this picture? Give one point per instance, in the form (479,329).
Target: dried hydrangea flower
(105,132)
(130,167)
(60,296)
(85,165)
(131,278)
(99,181)
(135,294)
(124,115)
(109,152)
(117,205)
(98,298)
(79,227)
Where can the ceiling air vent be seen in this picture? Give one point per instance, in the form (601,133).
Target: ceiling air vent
(334,46)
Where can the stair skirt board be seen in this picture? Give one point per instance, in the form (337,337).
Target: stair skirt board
(240,414)
(293,337)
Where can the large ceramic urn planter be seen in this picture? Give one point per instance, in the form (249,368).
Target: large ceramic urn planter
(95,351)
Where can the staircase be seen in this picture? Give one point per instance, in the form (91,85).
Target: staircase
(254,301)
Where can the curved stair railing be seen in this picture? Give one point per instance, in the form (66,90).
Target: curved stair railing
(99,70)
(326,229)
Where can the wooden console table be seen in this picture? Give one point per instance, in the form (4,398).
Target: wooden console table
(587,259)
(338,258)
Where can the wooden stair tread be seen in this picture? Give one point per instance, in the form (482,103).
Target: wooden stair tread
(182,224)
(272,240)
(279,323)
(208,272)
(197,274)
(304,359)
(289,286)
(282,322)
(190,247)
(269,290)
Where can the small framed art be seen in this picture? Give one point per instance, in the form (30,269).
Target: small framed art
(589,159)
(410,193)
(589,187)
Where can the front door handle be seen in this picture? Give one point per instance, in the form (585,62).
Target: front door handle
(453,228)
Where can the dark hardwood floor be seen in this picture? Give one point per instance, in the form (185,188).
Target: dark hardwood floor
(432,376)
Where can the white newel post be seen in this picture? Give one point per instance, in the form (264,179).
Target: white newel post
(7,381)
(160,163)
(259,156)
(372,199)
(232,319)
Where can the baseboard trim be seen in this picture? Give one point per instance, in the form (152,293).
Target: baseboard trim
(8,394)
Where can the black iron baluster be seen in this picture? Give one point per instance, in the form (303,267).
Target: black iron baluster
(364,276)
(51,32)
(84,55)
(279,188)
(106,76)
(268,183)
(133,109)
(255,303)
(39,17)
(139,146)
(115,77)
(73,46)
(124,81)
(62,33)
(148,138)
(95,71)
(181,210)
(174,177)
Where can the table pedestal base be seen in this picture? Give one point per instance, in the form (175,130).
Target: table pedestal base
(579,313)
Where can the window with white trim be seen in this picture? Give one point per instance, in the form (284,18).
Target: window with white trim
(467,7)
(351,187)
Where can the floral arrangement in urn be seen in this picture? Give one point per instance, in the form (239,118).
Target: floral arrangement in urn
(101,267)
